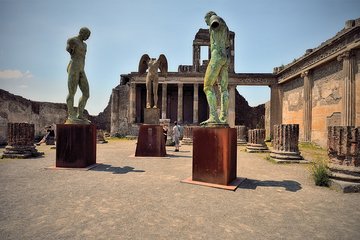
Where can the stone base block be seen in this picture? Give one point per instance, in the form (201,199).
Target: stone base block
(21,152)
(286,156)
(214,155)
(241,142)
(150,142)
(187,141)
(75,145)
(151,115)
(253,148)
(345,187)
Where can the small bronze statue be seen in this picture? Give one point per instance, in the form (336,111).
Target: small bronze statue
(152,77)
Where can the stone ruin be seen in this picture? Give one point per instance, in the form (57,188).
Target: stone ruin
(344,157)
(256,141)
(20,141)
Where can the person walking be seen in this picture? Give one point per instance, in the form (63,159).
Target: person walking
(176,136)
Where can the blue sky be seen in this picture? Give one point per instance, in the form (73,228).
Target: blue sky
(33,35)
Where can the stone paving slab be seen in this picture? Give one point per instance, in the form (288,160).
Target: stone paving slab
(142,198)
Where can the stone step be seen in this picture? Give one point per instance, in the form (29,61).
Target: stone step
(345,177)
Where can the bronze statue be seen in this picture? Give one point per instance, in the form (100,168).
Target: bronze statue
(217,69)
(77,77)
(152,77)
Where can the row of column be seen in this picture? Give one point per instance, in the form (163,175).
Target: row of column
(132,107)
(348,113)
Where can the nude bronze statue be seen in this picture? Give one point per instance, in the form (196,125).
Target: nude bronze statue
(217,69)
(77,77)
(152,77)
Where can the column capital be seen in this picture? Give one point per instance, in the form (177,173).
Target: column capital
(346,55)
(305,74)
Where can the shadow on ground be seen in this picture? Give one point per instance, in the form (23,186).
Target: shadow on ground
(115,170)
(289,185)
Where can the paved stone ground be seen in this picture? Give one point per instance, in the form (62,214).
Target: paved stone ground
(142,198)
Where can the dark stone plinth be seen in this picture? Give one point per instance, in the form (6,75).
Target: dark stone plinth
(214,155)
(75,145)
(151,115)
(150,142)
(285,143)
(21,141)
(256,141)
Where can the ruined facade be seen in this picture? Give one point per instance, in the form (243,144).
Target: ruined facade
(320,89)
(181,96)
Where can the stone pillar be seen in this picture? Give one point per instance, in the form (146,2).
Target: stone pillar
(307,106)
(164,101)
(20,141)
(196,58)
(232,96)
(241,134)
(349,65)
(114,127)
(285,143)
(275,107)
(188,135)
(196,104)
(180,103)
(132,107)
(256,141)
(344,157)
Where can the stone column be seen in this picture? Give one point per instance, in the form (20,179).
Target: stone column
(132,103)
(188,135)
(256,141)
(275,106)
(180,103)
(114,115)
(349,64)
(196,104)
(307,106)
(232,96)
(20,141)
(285,143)
(241,134)
(196,58)
(164,101)
(344,157)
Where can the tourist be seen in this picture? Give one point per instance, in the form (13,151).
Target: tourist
(176,136)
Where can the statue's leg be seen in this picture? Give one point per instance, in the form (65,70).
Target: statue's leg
(224,92)
(211,75)
(155,91)
(84,87)
(148,92)
(72,86)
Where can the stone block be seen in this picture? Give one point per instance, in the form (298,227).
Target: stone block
(151,115)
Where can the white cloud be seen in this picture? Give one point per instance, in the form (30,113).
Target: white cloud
(15,74)
(23,86)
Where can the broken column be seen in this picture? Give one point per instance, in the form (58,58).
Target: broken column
(256,141)
(20,141)
(285,143)
(188,135)
(241,134)
(344,157)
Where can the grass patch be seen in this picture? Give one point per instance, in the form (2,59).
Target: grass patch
(320,173)
(318,158)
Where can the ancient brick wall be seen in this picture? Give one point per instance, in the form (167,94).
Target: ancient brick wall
(326,98)
(293,103)
(119,110)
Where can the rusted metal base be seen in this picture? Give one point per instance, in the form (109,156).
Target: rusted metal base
(150,141)
(75,145)
(214,155)
(231,186)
